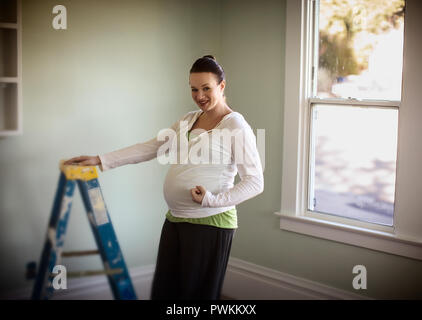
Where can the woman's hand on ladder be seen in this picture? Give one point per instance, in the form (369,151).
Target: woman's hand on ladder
(84,161)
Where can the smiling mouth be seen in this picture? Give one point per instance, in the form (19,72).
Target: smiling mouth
(203,103)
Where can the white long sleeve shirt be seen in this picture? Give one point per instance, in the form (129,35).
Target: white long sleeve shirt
(207,162)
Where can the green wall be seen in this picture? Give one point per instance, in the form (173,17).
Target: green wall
(118,75)
(115,77)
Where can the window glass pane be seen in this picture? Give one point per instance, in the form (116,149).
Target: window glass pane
(353,162)
(360,49)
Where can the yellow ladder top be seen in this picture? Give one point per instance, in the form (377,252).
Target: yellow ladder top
(75,172)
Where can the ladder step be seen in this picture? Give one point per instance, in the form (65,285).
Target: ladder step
(88,273)
(79,253)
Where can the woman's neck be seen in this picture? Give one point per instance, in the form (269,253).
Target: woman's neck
(218,111)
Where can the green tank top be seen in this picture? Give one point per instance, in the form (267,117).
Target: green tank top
(226,219)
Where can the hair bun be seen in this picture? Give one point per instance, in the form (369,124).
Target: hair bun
(210,57)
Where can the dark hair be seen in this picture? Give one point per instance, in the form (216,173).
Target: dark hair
(208,64)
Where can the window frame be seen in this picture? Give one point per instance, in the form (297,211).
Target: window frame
(402,238)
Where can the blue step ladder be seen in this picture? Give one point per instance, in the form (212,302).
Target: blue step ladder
(108,247)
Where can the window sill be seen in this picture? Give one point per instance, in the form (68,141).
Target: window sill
(357,236)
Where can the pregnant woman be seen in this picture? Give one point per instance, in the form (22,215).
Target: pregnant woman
(197,233)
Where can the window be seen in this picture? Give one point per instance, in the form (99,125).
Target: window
(358,49)
(353,162)
(357,58)
(350,155)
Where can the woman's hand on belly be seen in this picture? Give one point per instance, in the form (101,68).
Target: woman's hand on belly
(198,193)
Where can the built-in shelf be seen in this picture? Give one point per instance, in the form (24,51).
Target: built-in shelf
(9,79)
(10,68)
(9,11)
(5,25)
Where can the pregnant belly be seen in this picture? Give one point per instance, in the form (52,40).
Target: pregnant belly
(181,179)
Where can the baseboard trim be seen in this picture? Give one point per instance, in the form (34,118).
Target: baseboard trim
(248,281)
(92,288)
(243,281)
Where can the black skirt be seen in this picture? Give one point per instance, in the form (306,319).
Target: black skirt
(192,261)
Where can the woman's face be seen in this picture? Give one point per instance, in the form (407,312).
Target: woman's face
(206,92)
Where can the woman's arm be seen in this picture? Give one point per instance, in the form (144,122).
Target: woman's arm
(250,172)
(136,153)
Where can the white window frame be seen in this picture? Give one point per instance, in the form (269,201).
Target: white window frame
(405,237)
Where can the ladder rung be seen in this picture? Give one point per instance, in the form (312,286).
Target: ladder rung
(88,273)
(79,253)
